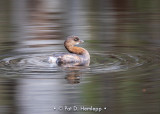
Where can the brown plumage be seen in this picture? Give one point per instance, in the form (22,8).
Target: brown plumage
(77,55)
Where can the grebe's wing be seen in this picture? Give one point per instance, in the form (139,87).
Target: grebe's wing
(68,58)
(53,58)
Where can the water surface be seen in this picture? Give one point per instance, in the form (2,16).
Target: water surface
(122,39)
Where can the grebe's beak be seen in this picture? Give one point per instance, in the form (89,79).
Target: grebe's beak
(81,41)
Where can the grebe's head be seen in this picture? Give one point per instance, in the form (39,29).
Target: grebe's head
(73,40)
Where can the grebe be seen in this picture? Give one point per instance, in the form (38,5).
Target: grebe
(78,56)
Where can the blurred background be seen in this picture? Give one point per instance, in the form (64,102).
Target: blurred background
(122,37)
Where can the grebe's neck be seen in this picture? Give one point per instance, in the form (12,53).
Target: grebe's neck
(76,50)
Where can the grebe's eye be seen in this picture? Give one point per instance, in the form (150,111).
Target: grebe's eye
(76,39)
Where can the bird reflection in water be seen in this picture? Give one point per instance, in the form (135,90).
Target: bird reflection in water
(73,77)
(74,73)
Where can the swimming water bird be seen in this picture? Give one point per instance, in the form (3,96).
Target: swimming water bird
(78,56)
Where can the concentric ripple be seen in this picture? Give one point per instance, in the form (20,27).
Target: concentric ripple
(32,63)
(101,62)
(114,62)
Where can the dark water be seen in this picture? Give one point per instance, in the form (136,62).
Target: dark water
(122,37)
